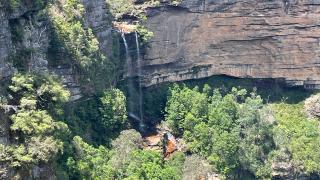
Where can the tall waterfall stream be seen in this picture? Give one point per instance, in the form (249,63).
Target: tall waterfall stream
(131,83)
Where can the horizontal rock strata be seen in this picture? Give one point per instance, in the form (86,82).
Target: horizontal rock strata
(251,38)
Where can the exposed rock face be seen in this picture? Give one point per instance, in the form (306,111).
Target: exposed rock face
(251,38)
(25,36)
(312,106)
(31,41)
(69,80)
(98,18)
(282,167)
(4,127)
(5,44)
(22,32)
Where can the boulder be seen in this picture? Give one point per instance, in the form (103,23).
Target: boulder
(312,106)
(169,144)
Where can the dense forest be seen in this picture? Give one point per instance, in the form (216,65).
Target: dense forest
(211,128)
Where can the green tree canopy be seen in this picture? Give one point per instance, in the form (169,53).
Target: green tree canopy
(37,133)
(229,130)
(113,110)
(299,135)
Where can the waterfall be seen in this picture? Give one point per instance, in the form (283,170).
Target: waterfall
(131,86)
(129,71)
(139,77)
(128,59)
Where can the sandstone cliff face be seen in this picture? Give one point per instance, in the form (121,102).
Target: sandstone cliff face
(99,19)
(251,38)
(5,43)
(25,35)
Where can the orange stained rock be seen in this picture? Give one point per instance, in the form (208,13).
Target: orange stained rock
(171,147)
(170,144)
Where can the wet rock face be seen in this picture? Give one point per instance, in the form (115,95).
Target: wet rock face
(251,38)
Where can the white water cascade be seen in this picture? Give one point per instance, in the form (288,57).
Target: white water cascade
(139,77)
(129,71)
(131,86)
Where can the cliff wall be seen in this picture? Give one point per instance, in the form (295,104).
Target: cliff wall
(25,37)
(251,38)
